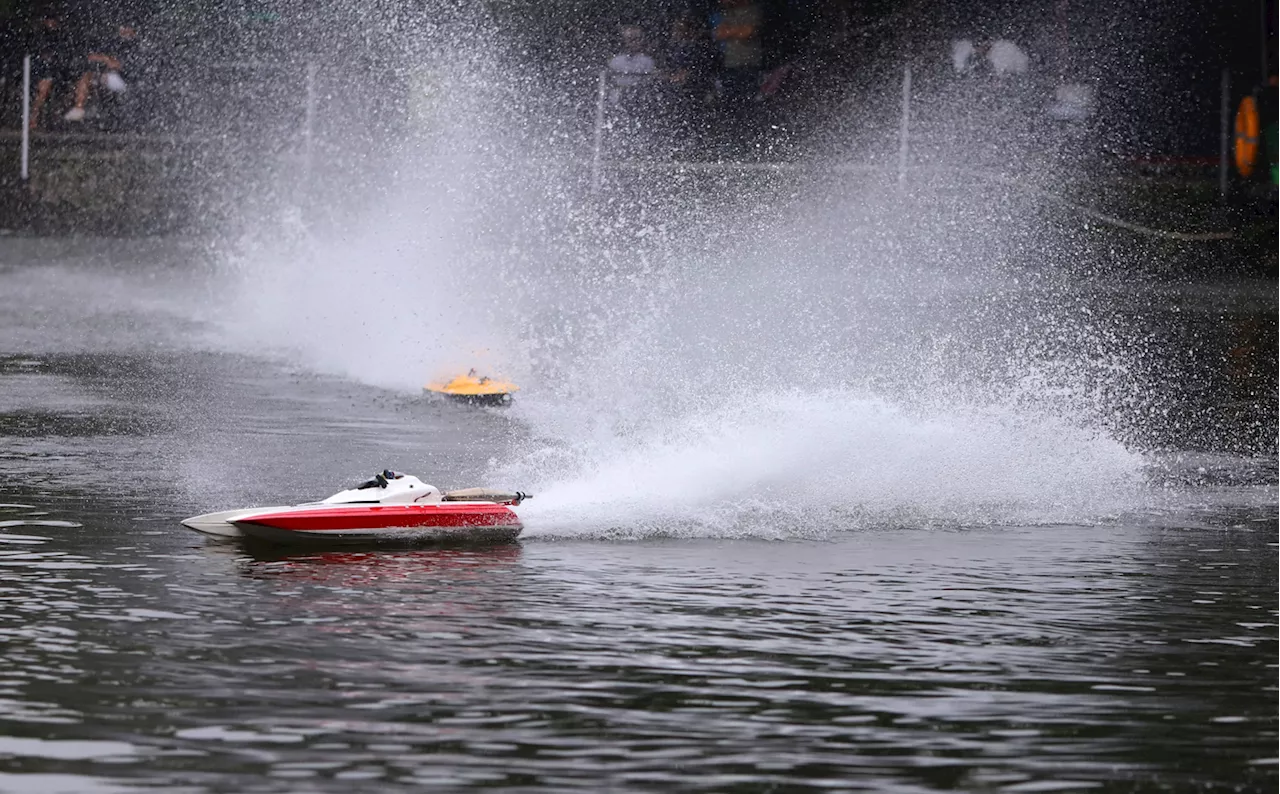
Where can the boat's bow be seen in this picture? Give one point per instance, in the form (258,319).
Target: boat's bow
(222,523)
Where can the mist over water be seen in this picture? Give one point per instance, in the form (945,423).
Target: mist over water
(778,355)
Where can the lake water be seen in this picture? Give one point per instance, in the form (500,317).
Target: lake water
(1132,648)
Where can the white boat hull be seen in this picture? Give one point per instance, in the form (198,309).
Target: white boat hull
(219,524)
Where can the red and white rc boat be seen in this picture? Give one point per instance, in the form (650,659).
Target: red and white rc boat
(391,506)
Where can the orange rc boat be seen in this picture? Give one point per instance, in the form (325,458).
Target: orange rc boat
(475,389)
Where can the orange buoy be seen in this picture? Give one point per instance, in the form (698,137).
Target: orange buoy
(1248,129)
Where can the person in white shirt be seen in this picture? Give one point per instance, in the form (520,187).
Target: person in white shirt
(632,76)
(632,67)
(1007,58)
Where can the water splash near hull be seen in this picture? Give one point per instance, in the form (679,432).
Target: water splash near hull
(769,353)
(807,464)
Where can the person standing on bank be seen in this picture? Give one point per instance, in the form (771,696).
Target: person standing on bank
(51,66)
(106,69)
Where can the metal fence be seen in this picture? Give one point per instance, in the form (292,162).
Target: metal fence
(276,107)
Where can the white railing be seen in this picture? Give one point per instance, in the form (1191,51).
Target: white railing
(26,115)
(598,137)
(904,129)
(598,160)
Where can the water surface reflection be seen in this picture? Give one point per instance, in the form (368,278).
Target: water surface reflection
(1130,651)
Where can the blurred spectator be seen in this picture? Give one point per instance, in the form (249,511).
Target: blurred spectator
(688,66)
(1003,57)
(632,67)
(1007,58)
(735,26)
(1072,102)
(964,56)
(51,64)
(108,66)
(12,50)
(689,58)
(690,83)
(631,73)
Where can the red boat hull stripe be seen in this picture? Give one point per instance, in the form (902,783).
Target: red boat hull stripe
(340,519)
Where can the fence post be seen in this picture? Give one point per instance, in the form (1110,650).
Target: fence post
(308,132)
(1224,152)
(904,130)
(26,115)
(1264,28)
(599,133)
